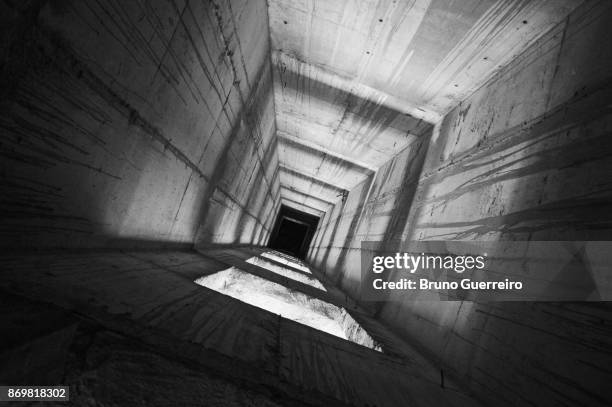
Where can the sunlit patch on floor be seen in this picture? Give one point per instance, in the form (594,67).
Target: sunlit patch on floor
(276,298)
(283,271)
(287,260)
(289,303)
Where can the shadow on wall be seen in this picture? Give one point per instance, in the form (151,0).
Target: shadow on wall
(376,210)
(349,217)
(225,218)
(527,157)
(89,160)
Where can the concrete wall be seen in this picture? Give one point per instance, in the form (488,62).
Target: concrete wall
(527,157)
(374,210)
(131,121)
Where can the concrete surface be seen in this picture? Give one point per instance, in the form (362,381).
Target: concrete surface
(126,122)
(173,125)
(525,157)
(357,81)
(147,297)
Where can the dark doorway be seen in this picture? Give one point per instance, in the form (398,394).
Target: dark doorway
(293,232)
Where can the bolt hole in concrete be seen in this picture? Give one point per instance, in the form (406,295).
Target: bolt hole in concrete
(288,303)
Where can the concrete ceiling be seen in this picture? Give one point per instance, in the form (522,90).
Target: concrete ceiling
(356,81)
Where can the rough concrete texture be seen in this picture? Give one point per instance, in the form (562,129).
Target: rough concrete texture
(104,367)
(421,57)
(276,298)
(127,122)
(355,82)
(282,289)
(526,157)
(169,124)
(150,298)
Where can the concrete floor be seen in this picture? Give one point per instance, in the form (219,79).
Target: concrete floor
(135,303)
(146,145)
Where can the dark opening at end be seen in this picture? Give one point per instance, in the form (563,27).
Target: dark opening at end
(293,232)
